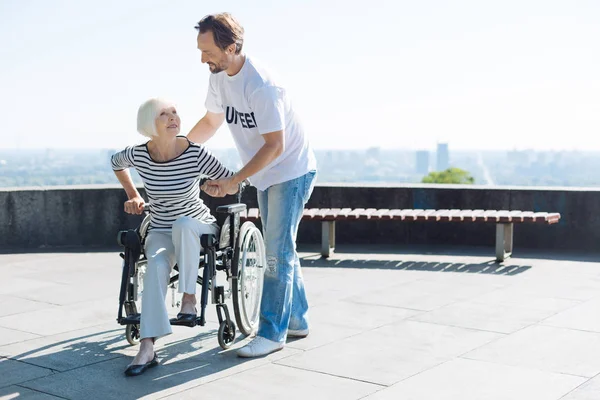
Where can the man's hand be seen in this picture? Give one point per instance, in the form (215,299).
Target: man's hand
(220,187)
(135,205)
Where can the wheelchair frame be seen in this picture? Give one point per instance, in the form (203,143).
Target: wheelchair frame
(230,257)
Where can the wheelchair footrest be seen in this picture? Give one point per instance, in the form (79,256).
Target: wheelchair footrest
(133,319)
(189,324)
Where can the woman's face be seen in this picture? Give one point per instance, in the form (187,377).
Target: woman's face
(168,122)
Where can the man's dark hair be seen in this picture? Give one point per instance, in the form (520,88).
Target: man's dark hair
(225,28)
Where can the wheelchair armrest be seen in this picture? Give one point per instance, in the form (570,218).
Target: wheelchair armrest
(231,208)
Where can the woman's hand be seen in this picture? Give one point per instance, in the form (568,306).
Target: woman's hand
(220,187)
(135,205)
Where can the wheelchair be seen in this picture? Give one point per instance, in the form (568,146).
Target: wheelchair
(239,253)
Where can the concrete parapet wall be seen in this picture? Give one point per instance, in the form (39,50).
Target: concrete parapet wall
(32,218)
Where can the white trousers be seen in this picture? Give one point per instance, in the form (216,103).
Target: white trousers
(163,249)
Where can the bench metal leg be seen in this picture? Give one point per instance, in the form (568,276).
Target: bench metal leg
(327,238)
(504,241)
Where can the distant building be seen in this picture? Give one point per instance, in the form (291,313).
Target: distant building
(422,165)
(443,157)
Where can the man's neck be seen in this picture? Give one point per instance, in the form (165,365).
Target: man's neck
(236,65)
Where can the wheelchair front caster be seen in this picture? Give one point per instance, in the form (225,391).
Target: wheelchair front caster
(226,334)
(132,334)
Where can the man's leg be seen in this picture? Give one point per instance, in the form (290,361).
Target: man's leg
(298,325)
(285,204)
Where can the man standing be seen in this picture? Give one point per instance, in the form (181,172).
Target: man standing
(278,161)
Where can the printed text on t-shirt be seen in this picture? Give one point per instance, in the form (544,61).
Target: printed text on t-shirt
(246,119)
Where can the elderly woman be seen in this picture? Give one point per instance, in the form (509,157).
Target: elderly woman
(170,167)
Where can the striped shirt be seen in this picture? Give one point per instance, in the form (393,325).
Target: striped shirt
(173,187)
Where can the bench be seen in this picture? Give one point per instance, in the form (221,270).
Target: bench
(504,220)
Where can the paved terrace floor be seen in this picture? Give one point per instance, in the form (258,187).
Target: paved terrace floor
(419,324)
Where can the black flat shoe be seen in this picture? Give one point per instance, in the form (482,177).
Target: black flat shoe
(135,370)
(185,319)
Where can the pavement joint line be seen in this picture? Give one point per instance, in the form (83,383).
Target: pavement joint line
(587,378)
(54,371)
(47,302)
(342,339)
(54,334)
(413,375)
(330,374)
(218,379)
(578,386)
(40,391)
(388,306)
(116,356)
(22,331)
(34,300)
(345,300)
(464,327)
(564,327)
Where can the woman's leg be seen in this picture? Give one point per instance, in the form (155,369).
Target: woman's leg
(154,321)
(186,241)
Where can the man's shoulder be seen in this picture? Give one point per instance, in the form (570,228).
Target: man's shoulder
(260,75)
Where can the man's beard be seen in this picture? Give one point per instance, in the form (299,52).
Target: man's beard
(217,68)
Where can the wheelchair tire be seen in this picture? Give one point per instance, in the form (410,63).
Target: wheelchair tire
(247,288)
(132,334)
(226,334)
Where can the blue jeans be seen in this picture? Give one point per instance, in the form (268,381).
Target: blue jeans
(283,303)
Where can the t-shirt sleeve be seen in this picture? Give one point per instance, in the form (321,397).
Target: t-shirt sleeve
(213,101)
(210,166)
(268,106)
(123,159)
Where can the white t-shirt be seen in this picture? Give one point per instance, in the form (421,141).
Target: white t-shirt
(255,105)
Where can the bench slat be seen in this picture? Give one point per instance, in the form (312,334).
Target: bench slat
(380,213)
(321,213)
(487,216)
(332,214)
(396,213)
(425,215)
(355,214)
(368,213)
(411,214)
(449,215)
(309,213)
(553,218)
(253,214)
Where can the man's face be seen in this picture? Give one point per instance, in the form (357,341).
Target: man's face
(217,59)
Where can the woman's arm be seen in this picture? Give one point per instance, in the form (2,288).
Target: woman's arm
(121,162)
(135,204)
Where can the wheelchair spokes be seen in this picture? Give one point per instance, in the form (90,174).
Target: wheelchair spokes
(247,289)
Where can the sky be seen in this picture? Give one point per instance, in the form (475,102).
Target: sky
(490,75)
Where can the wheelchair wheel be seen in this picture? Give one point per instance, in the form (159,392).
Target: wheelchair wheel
(226,334)
(247,289)
(132,334)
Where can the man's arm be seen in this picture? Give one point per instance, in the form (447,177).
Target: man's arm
(273,147)
(206,127)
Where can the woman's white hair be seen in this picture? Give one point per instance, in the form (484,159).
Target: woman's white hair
(147,114)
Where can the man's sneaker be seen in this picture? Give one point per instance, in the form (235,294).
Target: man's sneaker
(298,333)
(259,346)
